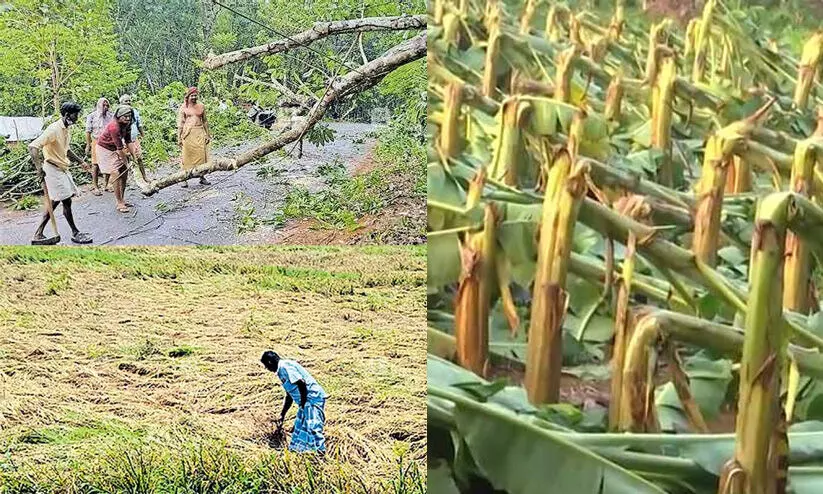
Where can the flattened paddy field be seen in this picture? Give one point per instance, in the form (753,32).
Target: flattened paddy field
(137,370)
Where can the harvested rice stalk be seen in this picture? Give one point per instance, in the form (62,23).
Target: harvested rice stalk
(797,266)
(504,164)
(471,316)
(565,188)
(662,102)
(808,68)
(701,41)
(764,347)
(451,138)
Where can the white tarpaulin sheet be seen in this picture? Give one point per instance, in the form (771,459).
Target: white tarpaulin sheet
(20,128)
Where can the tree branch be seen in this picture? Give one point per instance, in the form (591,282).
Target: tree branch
(365,76)
(318,31)
(285,91)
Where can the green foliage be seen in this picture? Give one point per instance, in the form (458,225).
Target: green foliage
(138,465)
(51,51)
(344,200)
(320,134)
(159,114)
(26,203)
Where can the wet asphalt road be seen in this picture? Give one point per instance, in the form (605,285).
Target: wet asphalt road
(199,215)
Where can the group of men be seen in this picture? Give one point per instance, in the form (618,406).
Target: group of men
(112,141)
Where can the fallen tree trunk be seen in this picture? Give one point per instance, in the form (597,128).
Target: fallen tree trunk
(363,77)
(318,31)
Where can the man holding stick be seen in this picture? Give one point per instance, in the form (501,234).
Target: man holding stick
(53,171)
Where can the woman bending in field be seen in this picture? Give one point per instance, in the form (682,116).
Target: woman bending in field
(193,133)
(301,388)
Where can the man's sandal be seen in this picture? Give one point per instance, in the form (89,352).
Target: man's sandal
(46,240)
(81,238)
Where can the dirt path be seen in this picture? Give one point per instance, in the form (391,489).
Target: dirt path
(200,215)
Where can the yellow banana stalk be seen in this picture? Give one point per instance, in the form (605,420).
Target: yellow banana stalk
(810,61)
(564,190)
(662,102)
(797,267)
(451,138)
(471,316)
(504,164)
(492,51)
(702,35)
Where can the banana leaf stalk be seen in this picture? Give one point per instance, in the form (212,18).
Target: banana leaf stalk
(492,53)
(614,97)
(797,267)
(808,69)
(552,32)
(738,176)
(509,144)
(565,187)
(451,137)
(709,192)
(764,347)
(565,72)
(474,296)
(662,102)
(701,41)
(528,15)
(632,207)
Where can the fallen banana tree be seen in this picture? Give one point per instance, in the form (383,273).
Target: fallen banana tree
(604,145)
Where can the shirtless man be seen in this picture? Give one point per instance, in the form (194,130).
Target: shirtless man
(193,133)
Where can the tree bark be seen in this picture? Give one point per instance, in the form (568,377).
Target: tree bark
(318,31)
(363,77)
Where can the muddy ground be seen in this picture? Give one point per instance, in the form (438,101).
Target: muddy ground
(209,215)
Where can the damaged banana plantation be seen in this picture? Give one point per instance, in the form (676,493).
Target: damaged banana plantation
(625,228)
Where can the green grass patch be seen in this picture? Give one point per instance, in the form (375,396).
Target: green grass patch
(211,467)
(344,200)
(174,264)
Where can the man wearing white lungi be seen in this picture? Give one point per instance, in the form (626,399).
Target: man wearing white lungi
(53,169)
